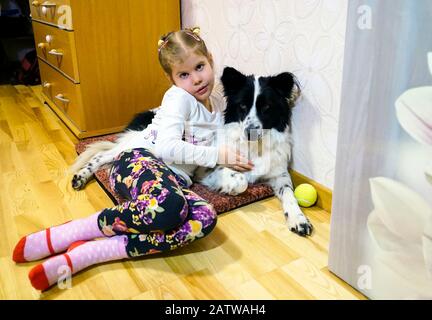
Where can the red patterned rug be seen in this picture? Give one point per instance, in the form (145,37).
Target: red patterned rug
(222,203)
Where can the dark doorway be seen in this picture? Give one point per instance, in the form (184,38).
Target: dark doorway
(18,60)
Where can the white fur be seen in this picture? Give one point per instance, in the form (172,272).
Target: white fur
(252,118)
(89,153)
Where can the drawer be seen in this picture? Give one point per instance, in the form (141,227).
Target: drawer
(55,12)
(57,47)
(63,93)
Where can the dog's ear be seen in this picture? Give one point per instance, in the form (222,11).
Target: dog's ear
(286,85)
(232,80)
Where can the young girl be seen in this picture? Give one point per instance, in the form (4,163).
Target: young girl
(162,213)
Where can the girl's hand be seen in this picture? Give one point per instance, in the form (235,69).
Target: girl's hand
(233,159)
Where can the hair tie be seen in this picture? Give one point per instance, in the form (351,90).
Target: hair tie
(194,32)
(162,43)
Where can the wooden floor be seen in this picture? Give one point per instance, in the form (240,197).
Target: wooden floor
(250,255)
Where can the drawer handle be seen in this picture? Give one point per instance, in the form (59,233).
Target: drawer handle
(48,38)
(61,97)
(48,4)
(56,52)
(42,45)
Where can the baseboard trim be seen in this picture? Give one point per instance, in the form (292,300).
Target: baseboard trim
(324,194)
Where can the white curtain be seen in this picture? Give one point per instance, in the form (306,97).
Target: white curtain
(381,227)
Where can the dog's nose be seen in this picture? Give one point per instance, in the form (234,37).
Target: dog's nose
(252,127)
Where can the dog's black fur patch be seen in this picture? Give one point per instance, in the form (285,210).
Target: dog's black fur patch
(140,121)
(239,92)
(272,105)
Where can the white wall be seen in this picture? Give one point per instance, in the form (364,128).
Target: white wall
(266,37)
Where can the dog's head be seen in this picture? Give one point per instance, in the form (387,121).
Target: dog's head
(258,103)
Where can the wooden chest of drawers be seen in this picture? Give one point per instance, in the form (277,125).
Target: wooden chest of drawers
(98,59)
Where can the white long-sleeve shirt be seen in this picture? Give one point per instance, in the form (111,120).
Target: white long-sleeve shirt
(183,131)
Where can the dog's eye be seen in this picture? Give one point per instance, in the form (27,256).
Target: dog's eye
(264,108)
(243,107)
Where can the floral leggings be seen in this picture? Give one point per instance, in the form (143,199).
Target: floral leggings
(161,214)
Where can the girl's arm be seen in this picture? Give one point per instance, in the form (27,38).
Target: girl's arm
(169,145)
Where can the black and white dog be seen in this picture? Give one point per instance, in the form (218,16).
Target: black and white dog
(257,119)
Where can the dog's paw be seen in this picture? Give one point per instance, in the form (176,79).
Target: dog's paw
(300,224)
(78,182)
(235,183)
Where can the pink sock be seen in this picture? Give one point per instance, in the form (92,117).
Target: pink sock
(56,239)
(80,257)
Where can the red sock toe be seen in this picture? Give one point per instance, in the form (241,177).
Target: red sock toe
(18,253)
(38,278)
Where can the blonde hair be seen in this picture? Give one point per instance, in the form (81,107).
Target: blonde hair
(173,46)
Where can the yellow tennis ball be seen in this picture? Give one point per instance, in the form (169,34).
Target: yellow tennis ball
(306,195)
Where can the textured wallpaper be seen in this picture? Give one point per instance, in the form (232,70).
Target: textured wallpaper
(266,37)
